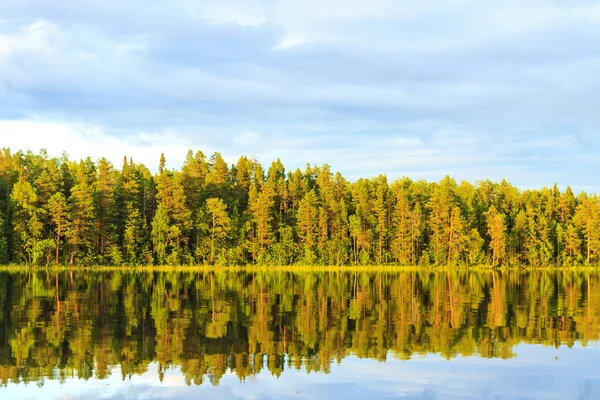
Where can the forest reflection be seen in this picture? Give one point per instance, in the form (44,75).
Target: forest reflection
(84,323)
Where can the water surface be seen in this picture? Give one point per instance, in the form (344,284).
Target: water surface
(254,335)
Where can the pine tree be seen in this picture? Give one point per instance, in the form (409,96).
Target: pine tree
(135,236)
(89,213)
(27,225)
(162,164)
(171,196)
(218,174)
(58,211)
(443,221)
(261,208)
(307,226)
(380,207)
(587,218)
(365,220)
(82,219)
(572,243)
(219,224)
(160,234)
(403,228)
(457,236)
(497,233)
(4,255)
(106,201)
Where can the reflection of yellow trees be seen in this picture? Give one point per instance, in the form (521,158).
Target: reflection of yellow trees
(22,344)
(209,324)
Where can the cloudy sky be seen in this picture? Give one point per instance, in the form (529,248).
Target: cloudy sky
(476,89)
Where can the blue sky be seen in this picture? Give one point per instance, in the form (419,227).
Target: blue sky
(476,89)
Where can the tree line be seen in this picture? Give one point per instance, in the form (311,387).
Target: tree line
(59,211)
(73,324)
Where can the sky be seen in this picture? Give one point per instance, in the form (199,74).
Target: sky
(475,89)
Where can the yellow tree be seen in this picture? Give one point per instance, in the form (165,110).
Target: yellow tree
(497,232)
(587,217)
(572,242)
(381,209)
(402,244)
(261,208)
(58,209)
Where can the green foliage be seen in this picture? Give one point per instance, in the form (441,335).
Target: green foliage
(3,241)
(42,251)
(212,213)
(27,225)
(160,234)
(219,224)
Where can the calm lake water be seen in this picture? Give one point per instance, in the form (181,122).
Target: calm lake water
(311,335)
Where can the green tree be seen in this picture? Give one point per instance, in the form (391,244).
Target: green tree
(106,201)
(135,235)
(58,210)
(81,231)
(403,244)
(381,209)
(219,224)
(171,196)
(261,209)
(587,218)
(307,226)
(572,243)
(161,234)
(4,255)
(27,224)
(445,221)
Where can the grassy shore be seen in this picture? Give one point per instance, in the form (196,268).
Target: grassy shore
(292,268)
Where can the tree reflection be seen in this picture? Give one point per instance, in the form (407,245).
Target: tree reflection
(82,323)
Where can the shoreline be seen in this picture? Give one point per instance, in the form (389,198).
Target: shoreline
(295,268)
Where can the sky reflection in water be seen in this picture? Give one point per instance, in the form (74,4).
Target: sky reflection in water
(537,372)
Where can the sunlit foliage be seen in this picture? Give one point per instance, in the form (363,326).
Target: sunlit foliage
(58,211)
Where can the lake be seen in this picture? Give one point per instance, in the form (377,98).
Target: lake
(238,334)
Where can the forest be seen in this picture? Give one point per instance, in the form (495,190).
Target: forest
(56,211)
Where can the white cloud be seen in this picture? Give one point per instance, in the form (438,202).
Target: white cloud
(379,86)
(290,41)
(80,141)
(478,22)
(246,138)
